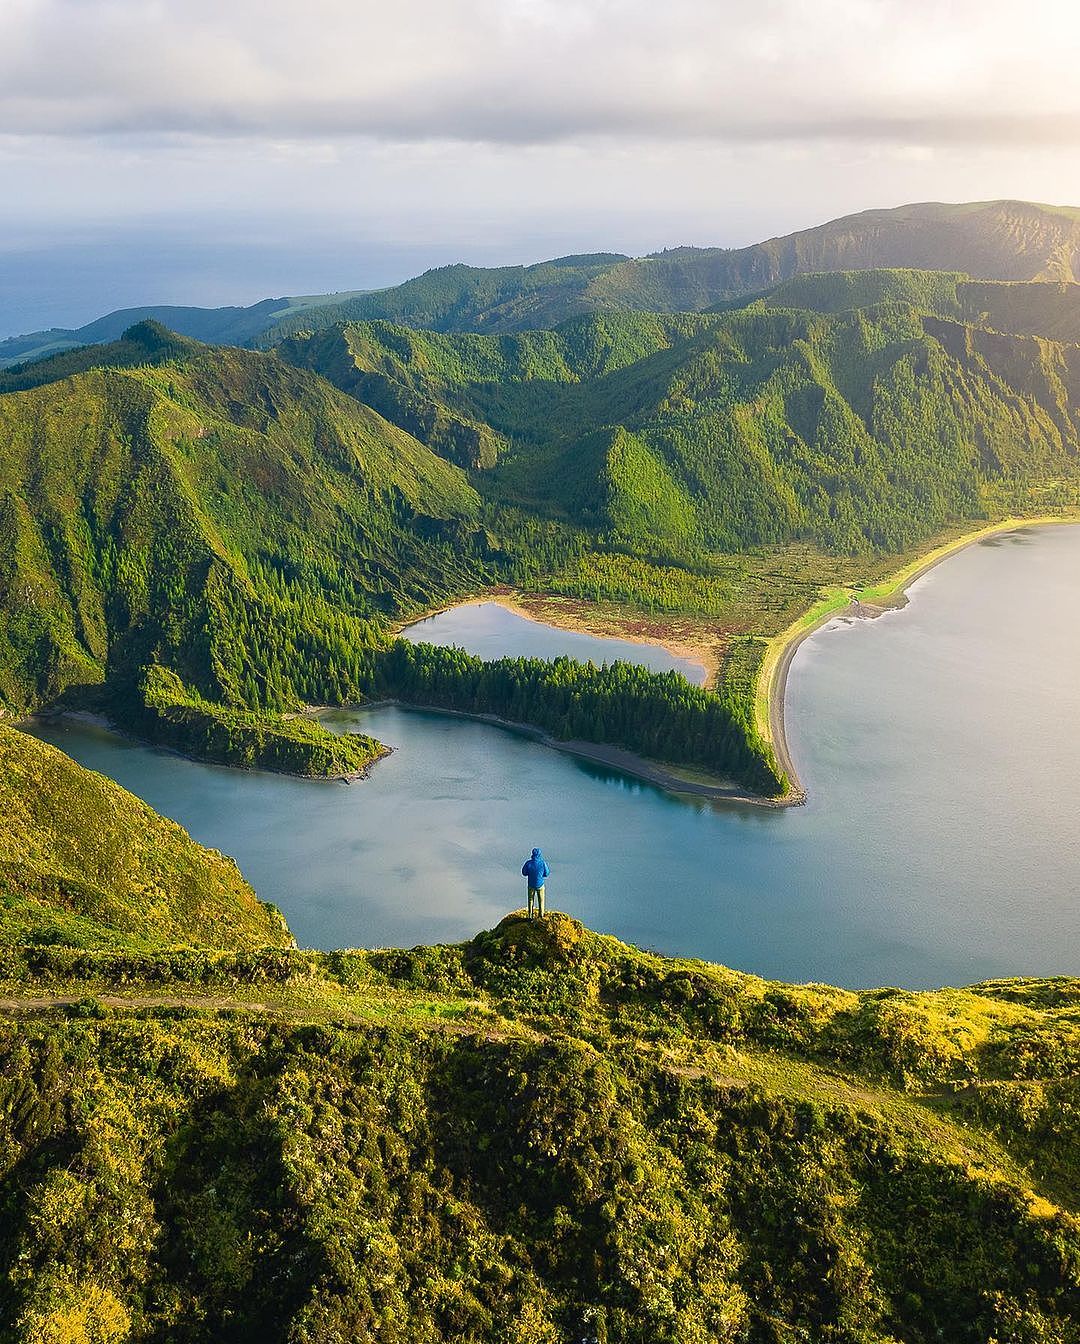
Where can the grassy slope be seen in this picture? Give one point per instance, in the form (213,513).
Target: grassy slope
(84,862)
(537,1136)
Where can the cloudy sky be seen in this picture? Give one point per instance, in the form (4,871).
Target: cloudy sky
(221,150)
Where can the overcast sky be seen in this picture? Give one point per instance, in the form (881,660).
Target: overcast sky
(219,150)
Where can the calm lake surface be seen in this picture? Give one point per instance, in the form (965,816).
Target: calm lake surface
(940,843)
(490,631)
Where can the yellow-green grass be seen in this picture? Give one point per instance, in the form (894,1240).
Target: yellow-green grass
(459,1129)
(83,862)
(910,1060)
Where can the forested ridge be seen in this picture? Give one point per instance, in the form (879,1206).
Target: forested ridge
(659,716)
(243,525)
(866,428)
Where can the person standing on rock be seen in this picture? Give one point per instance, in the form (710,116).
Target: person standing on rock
(535,870)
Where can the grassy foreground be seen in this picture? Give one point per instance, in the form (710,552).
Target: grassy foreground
(538,1135)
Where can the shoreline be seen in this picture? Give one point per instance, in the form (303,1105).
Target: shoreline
(86,716)
(529,606)
(889,595)
(771,688)
(666,777)
(769,711)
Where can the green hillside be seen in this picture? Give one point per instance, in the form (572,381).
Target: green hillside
(207,540)
(150,505)
(859,421)
(84,863)
(218,515)
(1047,309)
(539,1135)
(1021,308)
(218,538)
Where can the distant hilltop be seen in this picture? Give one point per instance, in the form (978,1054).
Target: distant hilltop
(987,240)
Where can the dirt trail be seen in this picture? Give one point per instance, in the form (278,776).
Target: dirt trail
(38,1003)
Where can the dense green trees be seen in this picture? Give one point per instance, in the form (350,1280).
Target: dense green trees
(173,714)
(219,513)
(661,716)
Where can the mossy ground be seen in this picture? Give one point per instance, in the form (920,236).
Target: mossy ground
(542,1134)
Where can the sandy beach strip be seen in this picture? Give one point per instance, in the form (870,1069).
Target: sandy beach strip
(870,602)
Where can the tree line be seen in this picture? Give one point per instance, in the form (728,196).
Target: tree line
(657,715)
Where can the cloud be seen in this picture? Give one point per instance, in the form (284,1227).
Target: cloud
(521,72)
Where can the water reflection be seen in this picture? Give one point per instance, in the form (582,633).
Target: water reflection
(940,843)
(490,631)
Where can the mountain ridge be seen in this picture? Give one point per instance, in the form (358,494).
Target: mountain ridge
(761,424)
(989,240)
(221,536)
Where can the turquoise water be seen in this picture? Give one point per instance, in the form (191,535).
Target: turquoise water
(490,631)
(940,843)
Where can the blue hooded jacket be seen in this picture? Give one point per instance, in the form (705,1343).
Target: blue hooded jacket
(535,869)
